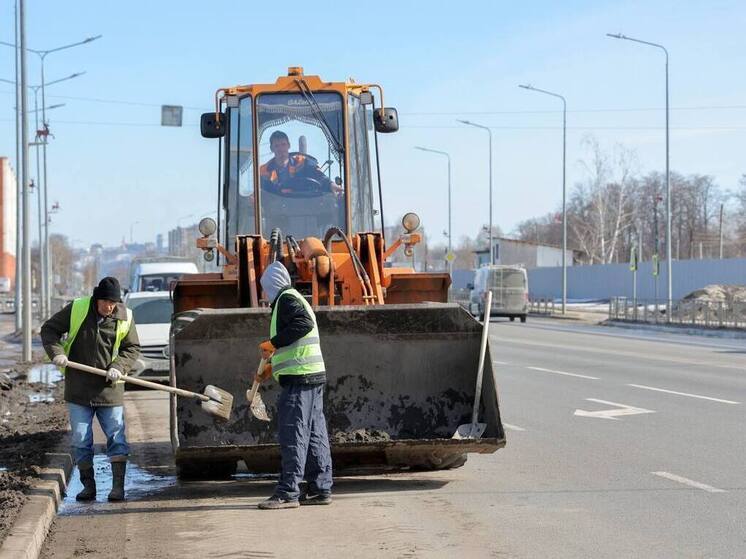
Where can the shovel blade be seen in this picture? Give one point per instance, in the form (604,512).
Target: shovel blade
(470,431)
(258,409)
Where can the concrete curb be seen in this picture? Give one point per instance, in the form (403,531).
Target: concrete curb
(27,535)
(722,333)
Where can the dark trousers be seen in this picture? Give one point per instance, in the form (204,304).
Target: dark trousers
(304,443)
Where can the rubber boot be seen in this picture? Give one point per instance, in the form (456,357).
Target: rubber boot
(88,479)
(118,470)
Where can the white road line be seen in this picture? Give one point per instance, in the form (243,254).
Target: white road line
(510,427)
(683,394)
(561,373)
(500,363)
(689,482)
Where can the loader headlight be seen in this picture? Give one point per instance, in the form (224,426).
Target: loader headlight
(207,226)
(410,222)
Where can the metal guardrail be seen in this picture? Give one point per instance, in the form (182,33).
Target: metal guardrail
(541,306)
(683,312)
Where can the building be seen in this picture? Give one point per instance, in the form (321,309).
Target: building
(8,201)
(514,252)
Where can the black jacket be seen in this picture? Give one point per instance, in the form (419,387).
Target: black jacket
(293,322)
(93,346)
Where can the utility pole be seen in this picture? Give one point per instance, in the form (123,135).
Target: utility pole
(26,356)
(721,231)
(19,184)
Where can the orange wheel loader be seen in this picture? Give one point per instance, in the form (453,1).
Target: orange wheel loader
(299,181)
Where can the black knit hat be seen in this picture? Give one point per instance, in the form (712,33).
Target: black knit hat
(109,289)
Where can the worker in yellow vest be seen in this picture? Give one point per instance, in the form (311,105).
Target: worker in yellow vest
(98,331)
(298,366)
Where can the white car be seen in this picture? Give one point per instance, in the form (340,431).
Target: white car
(152,312)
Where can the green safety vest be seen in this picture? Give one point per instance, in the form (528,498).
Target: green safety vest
(77,316)
(303,357)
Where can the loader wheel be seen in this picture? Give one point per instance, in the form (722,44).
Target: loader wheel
(204,470)
(448,464)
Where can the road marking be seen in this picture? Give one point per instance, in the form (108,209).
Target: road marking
(615,413)
(499,363)
(683,394)
(689,482)
(561,373)
(510,427)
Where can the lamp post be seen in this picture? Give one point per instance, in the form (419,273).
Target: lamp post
(448,157)
(489,132)
(564,187)
(42,54)
(19,185)
(669,266)
(132,228)
(44,291)
(26,299)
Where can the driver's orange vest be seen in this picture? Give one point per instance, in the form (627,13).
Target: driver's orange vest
(268,171)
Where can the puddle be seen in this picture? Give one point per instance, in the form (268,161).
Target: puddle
(137,485)
(3,469)
(44,374)
(39,397)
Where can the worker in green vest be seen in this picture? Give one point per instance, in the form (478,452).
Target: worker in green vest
(298,366)
(98,331)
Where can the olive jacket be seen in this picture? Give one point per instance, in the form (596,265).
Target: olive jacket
(93,346)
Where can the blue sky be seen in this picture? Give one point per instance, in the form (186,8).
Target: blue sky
(111,164)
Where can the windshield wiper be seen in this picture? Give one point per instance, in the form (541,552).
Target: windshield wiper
(319,114)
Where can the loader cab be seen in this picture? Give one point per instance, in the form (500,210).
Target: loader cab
(315,174)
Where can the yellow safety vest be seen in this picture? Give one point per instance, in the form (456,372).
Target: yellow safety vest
(302,357)
(77,317)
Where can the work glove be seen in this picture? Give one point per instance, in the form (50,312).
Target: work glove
(60,360)
(265,374)
(113,375)
(266,349)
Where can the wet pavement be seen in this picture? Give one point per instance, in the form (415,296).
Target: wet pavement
(139,484)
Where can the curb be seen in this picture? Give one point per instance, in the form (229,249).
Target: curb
(721,333)
(27,535)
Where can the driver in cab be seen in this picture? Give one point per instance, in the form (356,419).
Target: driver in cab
(278,174)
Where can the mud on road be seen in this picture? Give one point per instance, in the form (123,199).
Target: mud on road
(33,421)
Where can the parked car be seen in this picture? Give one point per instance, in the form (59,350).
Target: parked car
(509,286)
(158,273)
(152,312)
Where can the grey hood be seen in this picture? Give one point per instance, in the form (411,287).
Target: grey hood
(274,279)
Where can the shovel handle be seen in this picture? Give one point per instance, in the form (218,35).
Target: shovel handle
(140,382)
(251,394)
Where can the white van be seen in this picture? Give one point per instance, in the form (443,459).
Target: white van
(158,275)
(509,286)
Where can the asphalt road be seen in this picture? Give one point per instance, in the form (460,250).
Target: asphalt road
(620,444)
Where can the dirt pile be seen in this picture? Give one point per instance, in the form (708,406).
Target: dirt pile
(715,293)
(361,436)
(33,421)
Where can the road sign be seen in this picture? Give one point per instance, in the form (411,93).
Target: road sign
(633,260)
(171,115)
(656,265)
(450,257)
(614,413)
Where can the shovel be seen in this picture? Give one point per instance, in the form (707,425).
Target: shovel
(213,400)
(256,404)
(475,430)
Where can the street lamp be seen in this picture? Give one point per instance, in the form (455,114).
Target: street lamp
(42,54)
(132,229)
(669,266)
(450,252)
(489,132)
(564,187)
(44,290)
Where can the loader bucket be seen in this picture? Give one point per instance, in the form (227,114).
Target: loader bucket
(401,379)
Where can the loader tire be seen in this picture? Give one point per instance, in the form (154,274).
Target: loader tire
(449,464)
(204,470)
